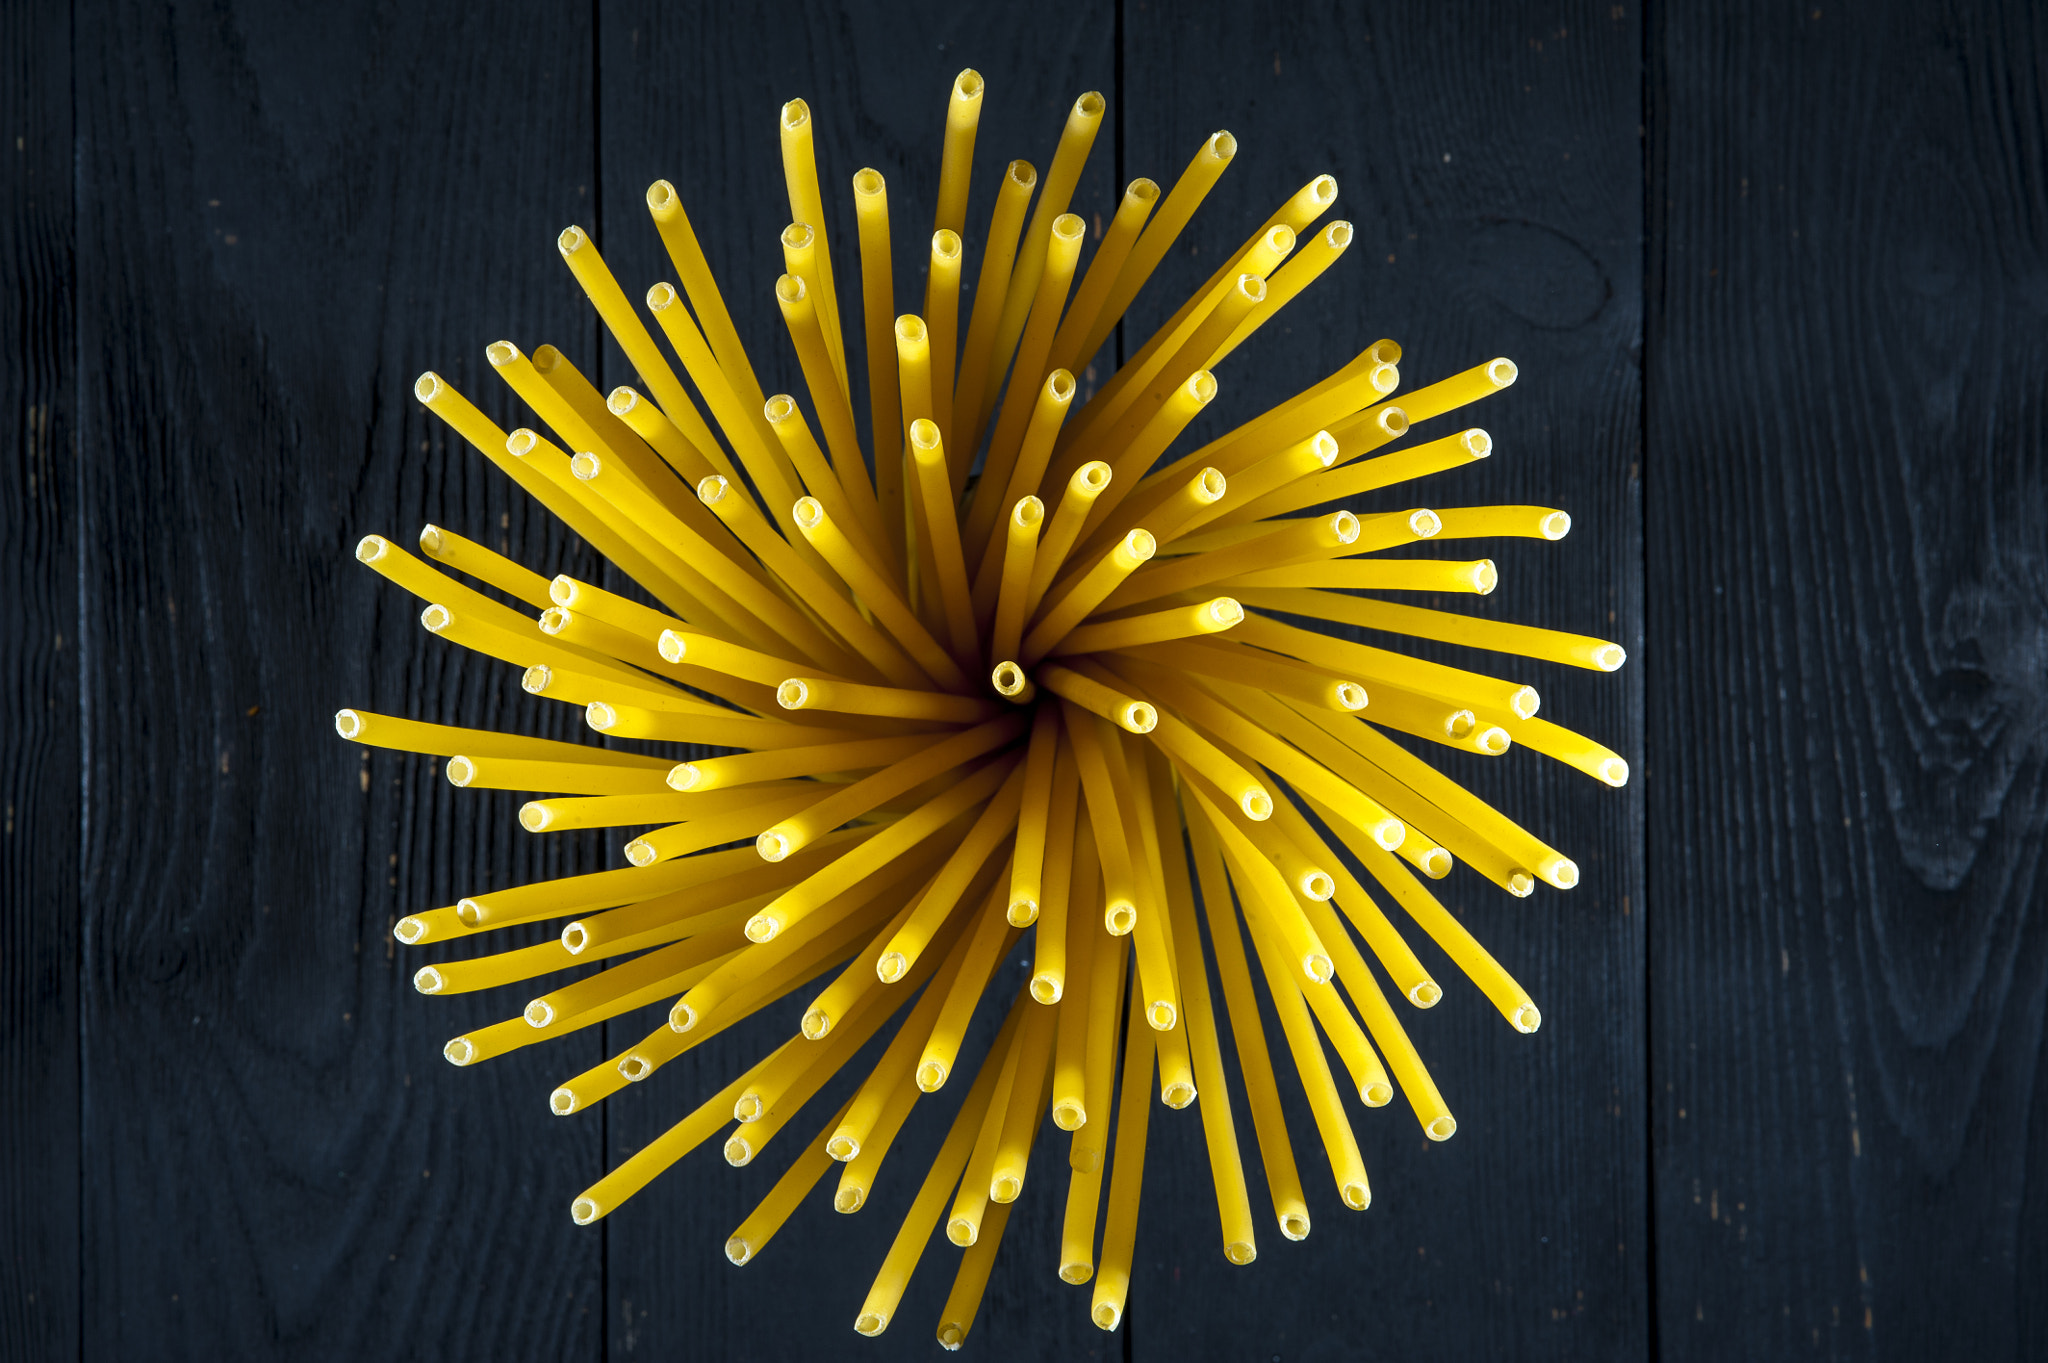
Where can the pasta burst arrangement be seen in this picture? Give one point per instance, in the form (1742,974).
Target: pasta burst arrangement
(1013,670)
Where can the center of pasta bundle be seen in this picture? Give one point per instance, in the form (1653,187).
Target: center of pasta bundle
(1012,677)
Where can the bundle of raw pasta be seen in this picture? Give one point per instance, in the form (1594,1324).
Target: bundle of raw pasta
(1006,671)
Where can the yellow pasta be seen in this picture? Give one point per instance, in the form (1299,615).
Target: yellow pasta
(1106,700)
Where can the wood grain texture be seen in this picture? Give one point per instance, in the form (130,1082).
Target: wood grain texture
(1849,606)
(282,219)
(39,715)
(1488,158)
(691,95)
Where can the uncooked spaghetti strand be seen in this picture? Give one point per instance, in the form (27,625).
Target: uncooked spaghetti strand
(935,502)
(1087,483)
(919,403)
(742,769)
(1126,1176)
(1140,197)
(956,161)
(1260,255)
(995,823)
(1178,622)
(760,453)
(449,740)
(1034,815)
(1093,742)
(1027,1101)
(963,1223)
(1287,283)
(1395,955)
(754,1233)
(612,1191)
(581,255)
(1061,254)
(1198,1009)
(991,288)
(573,506)
(1477,576)
(823,596)
(892,842)
(684,251)
(879,596)
(1128,401)
(970,1282)
(1312,1066)
(850,502)
(1038,254)
(1079,938)
(1346,480)
(468,557)
(844,803)
(892,1073)
(807,206)
(1158,237)
(1499,636)
(942,323)
(575,410)
(1107,974)
(806,321)
(937,1188)
(1055,398)
(1152,939)
(1410,1075)
(878,296)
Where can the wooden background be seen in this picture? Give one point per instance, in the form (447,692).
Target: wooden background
(1774,274)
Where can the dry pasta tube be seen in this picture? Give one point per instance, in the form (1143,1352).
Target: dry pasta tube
(448,740)
(467,556)
(888,606)
(994,824)
(1070,1057)
(1139,198)
(1313,1067)
(807,205)
(1093,750)
(892,1073)
(1394,954)
(1048,414)
(1013,586)
(744,769)
(1108,973)
(1178,622)
(1071,602)
(1219,1129)
(942,323)
(963,1223)
(1127,1175)
(1027,1102)
(937,1188)
(990,941)
(892,842)
(963,117)
(998,256)
(754,1233)
(1086,484)
(1408,1070)
(1033,817)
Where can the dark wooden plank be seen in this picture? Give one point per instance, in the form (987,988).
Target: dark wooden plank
(1847,505)
(1488,156)
(39,1208)
(283,217)
(690,94)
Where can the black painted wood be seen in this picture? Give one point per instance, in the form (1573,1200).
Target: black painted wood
(282,219)
(1848,607)
(1497,200)
(1779,359)
(39,714)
